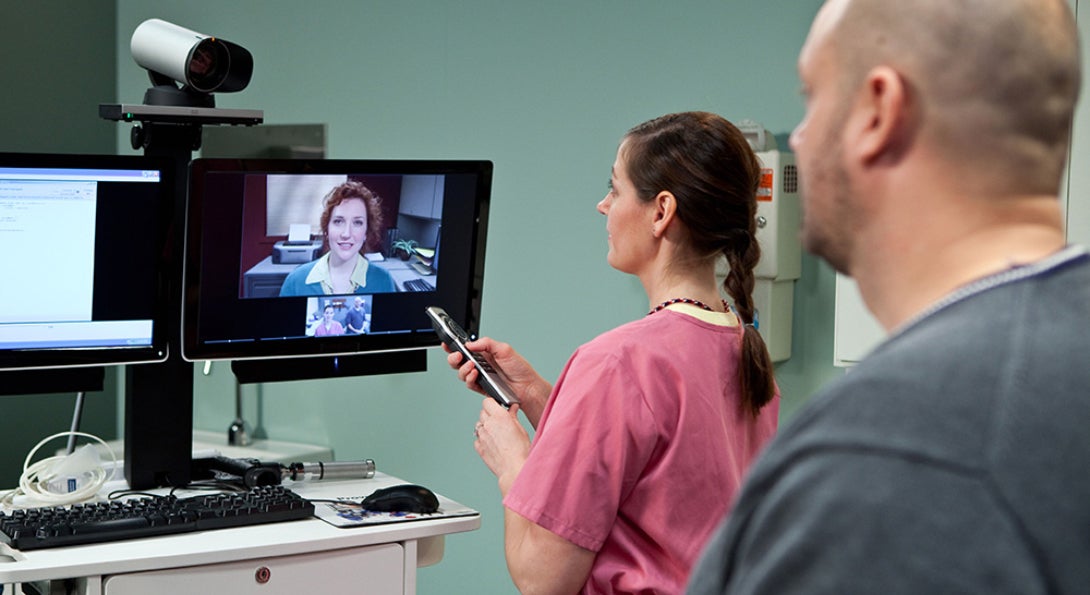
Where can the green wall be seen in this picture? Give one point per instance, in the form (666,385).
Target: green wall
(59,63)
(545,90)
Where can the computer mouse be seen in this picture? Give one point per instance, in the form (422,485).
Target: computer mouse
(406,497)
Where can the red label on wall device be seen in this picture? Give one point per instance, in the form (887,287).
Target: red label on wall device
(764,190)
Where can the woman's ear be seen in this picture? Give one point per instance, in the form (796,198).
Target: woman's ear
(665,209)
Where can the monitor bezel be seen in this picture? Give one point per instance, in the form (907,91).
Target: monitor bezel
(466,308)
(53,358)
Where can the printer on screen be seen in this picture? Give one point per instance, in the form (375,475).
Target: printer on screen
(298,248)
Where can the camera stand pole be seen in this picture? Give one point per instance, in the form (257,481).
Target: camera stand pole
(159,397)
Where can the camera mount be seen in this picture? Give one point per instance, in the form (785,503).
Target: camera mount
(178,126)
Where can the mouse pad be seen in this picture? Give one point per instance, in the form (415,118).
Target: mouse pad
(347,513)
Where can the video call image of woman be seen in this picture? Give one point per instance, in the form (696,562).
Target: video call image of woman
(351,224)
(327,326)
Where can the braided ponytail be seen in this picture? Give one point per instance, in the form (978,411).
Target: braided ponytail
(756,377)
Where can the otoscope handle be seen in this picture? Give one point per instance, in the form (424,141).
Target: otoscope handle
(364,469)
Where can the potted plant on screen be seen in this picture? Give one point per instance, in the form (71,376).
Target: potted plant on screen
(403,249)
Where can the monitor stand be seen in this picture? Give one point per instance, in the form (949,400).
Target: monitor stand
(341,366)
(55,380)
(159,424)
(159,397)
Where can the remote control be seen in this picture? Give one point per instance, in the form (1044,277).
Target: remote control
(455,337)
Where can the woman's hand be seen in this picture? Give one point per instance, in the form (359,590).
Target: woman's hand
(501,441)
(531,389)
(539,560)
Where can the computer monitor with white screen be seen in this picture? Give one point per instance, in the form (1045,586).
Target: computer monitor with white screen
(260,258)
(82,241)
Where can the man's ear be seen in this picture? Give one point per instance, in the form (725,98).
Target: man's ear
(665,209)
(878,125)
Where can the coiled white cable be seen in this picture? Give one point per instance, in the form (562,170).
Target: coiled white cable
(34,481)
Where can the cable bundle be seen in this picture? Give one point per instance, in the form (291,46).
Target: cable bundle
(38,479)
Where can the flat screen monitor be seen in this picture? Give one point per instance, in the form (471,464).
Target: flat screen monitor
(320,259)
(82,241)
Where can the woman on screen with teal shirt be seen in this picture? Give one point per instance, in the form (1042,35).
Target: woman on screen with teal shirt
(351,225)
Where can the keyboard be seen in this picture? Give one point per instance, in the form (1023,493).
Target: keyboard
(148,516)
(418,285)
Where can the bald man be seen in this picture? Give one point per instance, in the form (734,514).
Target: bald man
(956,457)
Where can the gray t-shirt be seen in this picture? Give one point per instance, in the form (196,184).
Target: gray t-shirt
(954,459)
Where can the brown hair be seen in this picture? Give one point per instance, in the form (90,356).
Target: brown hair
(709,167)
(349,190)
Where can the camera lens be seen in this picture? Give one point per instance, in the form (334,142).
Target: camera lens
(208,65)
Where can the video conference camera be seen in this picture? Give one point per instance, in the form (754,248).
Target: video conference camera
(201,63)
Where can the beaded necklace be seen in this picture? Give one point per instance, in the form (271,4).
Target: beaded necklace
(689,301)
